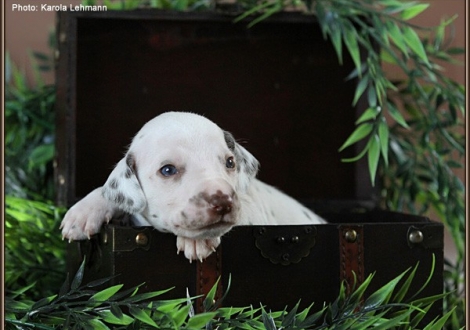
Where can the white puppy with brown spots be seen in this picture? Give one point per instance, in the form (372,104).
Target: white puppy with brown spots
(183,174)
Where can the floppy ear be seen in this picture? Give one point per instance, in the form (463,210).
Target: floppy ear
(123,188)
(247,164)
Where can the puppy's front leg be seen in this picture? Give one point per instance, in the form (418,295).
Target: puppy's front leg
(86,217)
(197,249)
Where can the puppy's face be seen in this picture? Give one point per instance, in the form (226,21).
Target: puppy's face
(184,175)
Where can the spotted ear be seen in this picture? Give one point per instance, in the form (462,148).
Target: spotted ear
(123,188)
(247,164)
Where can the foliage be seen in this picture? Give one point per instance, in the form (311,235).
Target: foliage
(29,134)
(34,252)
(79,306)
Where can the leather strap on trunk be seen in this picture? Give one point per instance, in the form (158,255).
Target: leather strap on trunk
(208,272)
(351,241)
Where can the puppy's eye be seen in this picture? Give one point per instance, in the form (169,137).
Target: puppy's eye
(230,162)
(168,170)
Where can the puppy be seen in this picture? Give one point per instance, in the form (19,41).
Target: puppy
(183,174)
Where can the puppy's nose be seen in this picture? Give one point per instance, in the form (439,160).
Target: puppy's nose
(221,203)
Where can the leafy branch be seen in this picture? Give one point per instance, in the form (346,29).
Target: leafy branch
(79,306)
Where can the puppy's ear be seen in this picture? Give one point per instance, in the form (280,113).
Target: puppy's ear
(123,188)
(247,164)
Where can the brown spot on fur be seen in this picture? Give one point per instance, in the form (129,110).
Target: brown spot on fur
(113,184)
(119,199)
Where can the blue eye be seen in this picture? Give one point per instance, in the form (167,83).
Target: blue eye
(168,170)
(230,162)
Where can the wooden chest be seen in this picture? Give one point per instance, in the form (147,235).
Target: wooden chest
(279,88)
(273,265)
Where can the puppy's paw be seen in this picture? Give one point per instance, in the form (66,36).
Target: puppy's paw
(197,249)
(86,217)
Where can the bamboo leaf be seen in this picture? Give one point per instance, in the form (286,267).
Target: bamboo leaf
(97,324)
(361,87)
(110,317)
(208,302)
(350,39)
(146,296)
(397,37)
(357,157)
(268,321)
(439,323)
(384,139)
(43,302)
(396,115)
(400,295)
(373,156)
(105,294)
(142,316)
(335,34)
(414,42)
(77,280)
(413,11)
(395,321)
(180,316)
(382,295)
(200,320)
(358,293)
(359,133)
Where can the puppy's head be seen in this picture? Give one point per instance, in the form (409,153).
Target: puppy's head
(184,175)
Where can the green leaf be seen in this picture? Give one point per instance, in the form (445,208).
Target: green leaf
(105,294)
(384,139)
(77,280)
(41,155)
(97,324)
(180,316)
(395,321)
(43,302)
(439,323)
(358,293)
(350,39)
(357,157)
(109,317)
(142,316)
(337,44)
(268,320)
(397,37)
(200,320)
(385,56)
(359,133)
(373,156)
(414,42)
(382,295)
(208,302)
(145,296)
(361,87)
(396,115)
(369,114)
(414,11)
(400,295)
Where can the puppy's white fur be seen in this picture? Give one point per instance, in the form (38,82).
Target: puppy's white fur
(183,174)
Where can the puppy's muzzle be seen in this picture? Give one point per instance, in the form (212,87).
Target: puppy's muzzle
(220,203)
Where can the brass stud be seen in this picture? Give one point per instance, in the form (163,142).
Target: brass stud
(416,237)
(350,236)
(281,239)
(141,239)
(295,239)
